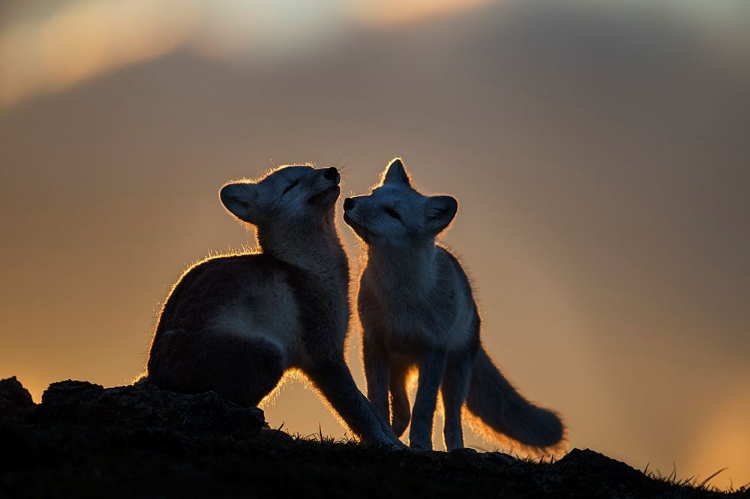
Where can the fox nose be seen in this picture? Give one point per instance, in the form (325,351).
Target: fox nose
(348,203)
(331,173)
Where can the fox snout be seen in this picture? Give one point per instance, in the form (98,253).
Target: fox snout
(331,173)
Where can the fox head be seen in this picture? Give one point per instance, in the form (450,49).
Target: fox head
(289,198)
(395,214)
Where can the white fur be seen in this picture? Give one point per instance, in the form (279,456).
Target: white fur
(417,311)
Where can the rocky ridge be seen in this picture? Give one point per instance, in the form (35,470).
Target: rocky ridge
(84,440)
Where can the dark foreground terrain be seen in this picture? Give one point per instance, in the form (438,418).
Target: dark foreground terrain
(139,441)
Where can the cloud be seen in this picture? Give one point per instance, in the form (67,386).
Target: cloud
(85,40)
(388,12)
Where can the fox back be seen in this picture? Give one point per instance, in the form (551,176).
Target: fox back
(255,295)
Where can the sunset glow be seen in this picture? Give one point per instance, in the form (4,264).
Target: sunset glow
(92,37)
(402,11)
(598,151)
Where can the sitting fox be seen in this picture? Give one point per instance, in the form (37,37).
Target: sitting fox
(235,324)
(417,311)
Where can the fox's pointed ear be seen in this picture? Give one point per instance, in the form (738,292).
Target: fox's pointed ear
(440,211)
(396,173)
(241,200)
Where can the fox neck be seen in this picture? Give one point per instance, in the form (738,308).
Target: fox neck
(411,271)
(315,249)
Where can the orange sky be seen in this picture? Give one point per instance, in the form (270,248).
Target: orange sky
(599,154)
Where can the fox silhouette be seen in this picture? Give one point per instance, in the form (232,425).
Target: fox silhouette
(417,311)
(235,324)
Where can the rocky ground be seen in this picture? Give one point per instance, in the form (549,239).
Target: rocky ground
(138,441)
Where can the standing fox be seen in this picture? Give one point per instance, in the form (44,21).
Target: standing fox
(234,324)
(417,310)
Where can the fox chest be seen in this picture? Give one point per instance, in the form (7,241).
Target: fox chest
(402,325)
(402,322)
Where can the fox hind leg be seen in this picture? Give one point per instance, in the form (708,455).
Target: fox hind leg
(431,369)
(454,389)
(401,412)
(239,368)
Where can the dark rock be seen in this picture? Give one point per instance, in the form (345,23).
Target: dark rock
(500,458)
(596,465)
(15,400)
(84,440)
(144,405)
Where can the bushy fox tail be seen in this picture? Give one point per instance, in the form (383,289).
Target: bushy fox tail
(503,414)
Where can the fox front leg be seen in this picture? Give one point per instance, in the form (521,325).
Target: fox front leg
(335,382)
(431,369)
(375,360)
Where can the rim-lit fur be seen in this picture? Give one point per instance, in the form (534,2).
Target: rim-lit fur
(235,324)
(417,311)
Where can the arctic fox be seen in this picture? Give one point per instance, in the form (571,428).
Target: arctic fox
(417,311)
(234,324)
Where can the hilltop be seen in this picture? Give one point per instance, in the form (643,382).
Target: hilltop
(83,440)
